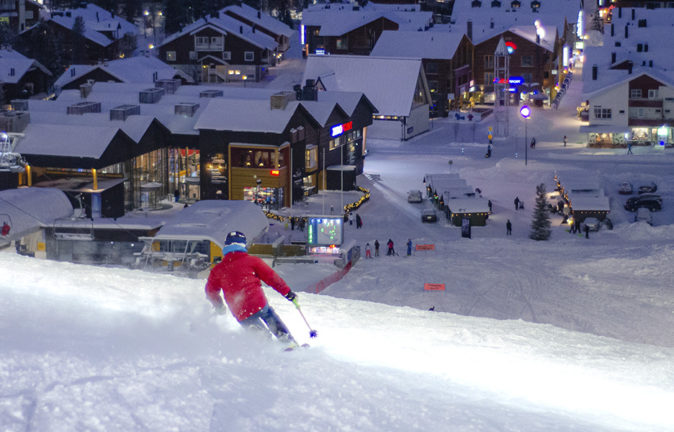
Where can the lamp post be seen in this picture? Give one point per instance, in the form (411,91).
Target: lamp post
(525,112)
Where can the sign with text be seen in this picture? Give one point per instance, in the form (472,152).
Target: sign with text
(425,247)
(434,287)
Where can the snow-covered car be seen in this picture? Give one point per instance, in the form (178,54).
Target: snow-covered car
(429,215)
(648,188)
(414,196)
(650,201)
(592,223)
(625,188)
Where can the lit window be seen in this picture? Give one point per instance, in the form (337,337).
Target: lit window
(170,56)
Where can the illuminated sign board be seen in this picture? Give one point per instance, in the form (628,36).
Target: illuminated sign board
(511,47)
(320,51)
(325,230)
(275,173)
(336,131)
(516,80)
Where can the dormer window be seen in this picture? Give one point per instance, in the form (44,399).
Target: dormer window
(515,4)
(476,3)
(495,4)
(535,4)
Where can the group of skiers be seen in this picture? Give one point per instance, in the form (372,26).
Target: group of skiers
(390,248)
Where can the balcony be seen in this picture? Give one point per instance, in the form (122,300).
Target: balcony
(645,103)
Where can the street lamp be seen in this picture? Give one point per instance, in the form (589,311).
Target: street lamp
(525,112)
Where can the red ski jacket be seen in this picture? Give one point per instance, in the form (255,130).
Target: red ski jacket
(239,276)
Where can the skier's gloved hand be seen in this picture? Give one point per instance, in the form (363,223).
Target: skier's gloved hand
(293,298)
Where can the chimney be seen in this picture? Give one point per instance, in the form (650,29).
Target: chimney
(613,57)
(310,92)
(469,29)
(634,11)
(612,30)
(594,72)
(627,32)
(620,12)
(241,29)
(629,68)
(259,14)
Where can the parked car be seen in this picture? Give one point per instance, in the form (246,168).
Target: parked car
(592,223)
(650,201)
(625,188)
(414,196)
(648,188)
(429,215)
(643,215)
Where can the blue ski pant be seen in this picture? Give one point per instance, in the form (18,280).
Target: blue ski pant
(268,320)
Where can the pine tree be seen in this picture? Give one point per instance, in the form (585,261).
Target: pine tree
(540,225)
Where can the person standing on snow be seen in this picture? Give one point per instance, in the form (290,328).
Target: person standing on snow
(239,276)
(359,221)
(390,251)
(409,247)
(368,251)
(517,203)
(376,248)
(509,228)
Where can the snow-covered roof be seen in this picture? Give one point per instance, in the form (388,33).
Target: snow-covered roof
(468,205)
(13,60)
(339,19)
(262,20)
(112,95)
(135,126)
(347,100)
(321,111)
(227,24)
(646,47)
(457,192)
(388,82)
(584,202)
(251,115)
(503,16)
(213,219)
(416,44)
(434,179)
(28,209)
(139,69)
(89,33)
(65,140)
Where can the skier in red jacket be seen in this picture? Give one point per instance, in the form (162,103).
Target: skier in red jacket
(238,276)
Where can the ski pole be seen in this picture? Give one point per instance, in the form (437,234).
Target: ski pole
(312,333)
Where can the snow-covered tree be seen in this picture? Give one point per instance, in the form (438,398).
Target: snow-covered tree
(540,225)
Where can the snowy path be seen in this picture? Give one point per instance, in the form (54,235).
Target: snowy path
(85,348)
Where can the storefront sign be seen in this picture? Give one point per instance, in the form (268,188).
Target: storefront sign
(434,287)
(274,173)
(336,131)
(515,80)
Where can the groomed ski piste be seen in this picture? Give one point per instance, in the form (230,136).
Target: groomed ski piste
(86,349)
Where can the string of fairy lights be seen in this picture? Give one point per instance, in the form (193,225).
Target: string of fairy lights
(348,208)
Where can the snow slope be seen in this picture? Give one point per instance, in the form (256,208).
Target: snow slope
(86,348)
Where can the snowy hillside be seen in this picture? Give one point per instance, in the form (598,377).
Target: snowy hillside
(86,348)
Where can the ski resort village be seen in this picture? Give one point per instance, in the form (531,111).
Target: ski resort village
(364,215)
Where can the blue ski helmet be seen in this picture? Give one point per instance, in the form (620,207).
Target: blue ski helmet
(236,237)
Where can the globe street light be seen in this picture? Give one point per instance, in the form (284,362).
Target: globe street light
(525,112)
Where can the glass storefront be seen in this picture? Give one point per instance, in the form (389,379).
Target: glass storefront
(184,173)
